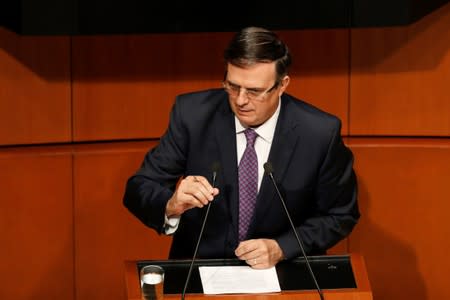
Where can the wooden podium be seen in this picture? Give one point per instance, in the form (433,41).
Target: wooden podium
(324,267)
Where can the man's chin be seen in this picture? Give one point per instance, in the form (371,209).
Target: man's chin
(248,122)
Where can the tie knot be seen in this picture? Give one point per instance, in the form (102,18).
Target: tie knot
(250,135)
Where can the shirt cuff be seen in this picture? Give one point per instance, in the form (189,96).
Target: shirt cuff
(171,224)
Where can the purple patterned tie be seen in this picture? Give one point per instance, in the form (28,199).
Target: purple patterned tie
(248,183)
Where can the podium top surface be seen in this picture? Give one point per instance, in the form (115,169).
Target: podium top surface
(331,271)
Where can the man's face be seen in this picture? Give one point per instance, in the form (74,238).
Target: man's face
(254,92)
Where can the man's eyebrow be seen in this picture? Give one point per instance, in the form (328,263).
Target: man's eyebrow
(232,83)
(249,89)
(257,89)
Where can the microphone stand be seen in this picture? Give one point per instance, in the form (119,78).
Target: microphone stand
(198,241)
(268,169)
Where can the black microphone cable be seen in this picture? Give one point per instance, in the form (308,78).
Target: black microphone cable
(269,171)
(215,168)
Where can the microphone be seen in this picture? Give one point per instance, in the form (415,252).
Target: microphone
(215,169)
(269,171)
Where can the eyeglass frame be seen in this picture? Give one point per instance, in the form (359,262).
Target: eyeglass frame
(247,92)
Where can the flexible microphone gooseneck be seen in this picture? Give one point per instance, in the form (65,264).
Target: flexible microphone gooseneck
(269,171)
(215,168)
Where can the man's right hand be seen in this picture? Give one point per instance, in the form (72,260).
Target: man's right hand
(193,191)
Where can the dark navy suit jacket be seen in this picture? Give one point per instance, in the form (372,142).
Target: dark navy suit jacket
(312,167)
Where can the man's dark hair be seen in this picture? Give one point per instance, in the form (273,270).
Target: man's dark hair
(254,45)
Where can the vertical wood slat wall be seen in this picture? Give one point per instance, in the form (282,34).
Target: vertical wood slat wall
(72,110)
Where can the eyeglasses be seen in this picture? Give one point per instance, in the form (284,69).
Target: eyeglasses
(234,90)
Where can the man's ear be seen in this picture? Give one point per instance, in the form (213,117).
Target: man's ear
(284,84)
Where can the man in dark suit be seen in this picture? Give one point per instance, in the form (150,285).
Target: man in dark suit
(311,165)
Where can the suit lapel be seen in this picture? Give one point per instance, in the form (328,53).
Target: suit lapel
(283,146)
(285,140)
(226,139)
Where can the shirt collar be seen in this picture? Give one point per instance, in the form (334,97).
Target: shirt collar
(266,130)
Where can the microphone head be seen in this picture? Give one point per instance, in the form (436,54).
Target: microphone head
(268,168)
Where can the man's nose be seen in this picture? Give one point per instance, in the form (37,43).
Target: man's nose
(242,98)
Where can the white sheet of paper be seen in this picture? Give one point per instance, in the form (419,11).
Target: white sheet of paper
(238,279)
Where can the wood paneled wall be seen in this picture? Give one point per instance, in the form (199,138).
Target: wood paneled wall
(36,224)
(403,190)
(400,79)
(35,100)
(105,233)
(72,108)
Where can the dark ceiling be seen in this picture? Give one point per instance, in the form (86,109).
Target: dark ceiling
(88,17)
